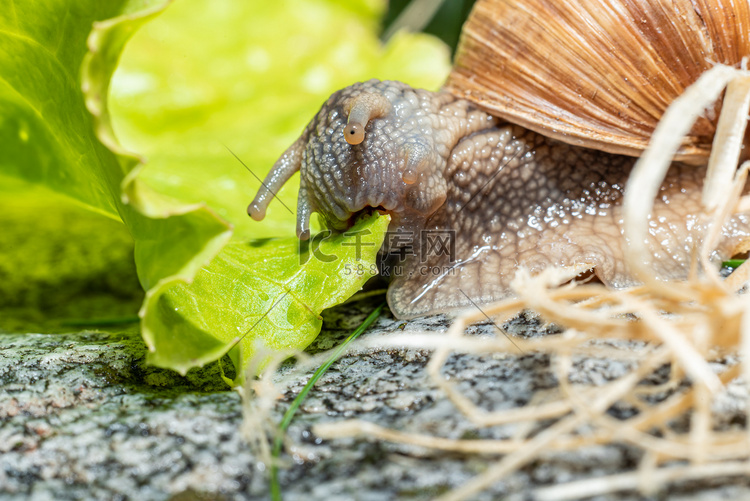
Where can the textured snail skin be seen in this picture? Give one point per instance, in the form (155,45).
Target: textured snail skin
(506,196)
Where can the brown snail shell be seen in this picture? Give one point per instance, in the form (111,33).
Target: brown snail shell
(597,73)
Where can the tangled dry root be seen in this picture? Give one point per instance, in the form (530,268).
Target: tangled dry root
(685,325)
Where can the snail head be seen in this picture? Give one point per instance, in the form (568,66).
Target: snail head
(372,146)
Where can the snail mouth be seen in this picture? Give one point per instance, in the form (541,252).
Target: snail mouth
(367,211)
(380,210)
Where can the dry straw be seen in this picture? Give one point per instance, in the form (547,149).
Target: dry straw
(684,324)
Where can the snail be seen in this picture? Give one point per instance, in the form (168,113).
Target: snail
(521,159)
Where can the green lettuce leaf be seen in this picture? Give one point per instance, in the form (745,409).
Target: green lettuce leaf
(172,240)
(264,294)
(206,74)
(45,131)
(248,75)
(49,138)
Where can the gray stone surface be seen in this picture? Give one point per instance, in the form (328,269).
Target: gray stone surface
(82,417)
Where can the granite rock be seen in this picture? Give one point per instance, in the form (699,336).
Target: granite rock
(83,417)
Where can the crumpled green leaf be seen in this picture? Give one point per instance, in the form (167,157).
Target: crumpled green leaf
(172,239)
(259,295)
(177,104)
(49,138)
(45,131)
(248,75)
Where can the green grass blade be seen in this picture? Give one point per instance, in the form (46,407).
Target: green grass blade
(289,415)
(732,263)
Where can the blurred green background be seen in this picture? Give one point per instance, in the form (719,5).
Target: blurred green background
(205,76)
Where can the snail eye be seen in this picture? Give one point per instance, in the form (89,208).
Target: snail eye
(354,133)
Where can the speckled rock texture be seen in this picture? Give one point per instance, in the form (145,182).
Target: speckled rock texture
(82,417)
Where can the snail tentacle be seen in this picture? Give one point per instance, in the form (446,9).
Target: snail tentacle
(282,170)
(304,210)
(362,109)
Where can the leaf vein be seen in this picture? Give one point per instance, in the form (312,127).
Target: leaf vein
(63,24)
(13,9)
(71,80)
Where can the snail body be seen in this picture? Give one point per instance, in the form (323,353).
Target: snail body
(500,170)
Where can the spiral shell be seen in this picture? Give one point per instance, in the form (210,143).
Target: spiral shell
(598,73)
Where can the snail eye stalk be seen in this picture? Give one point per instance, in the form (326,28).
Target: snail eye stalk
(354,133)
(361,109)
